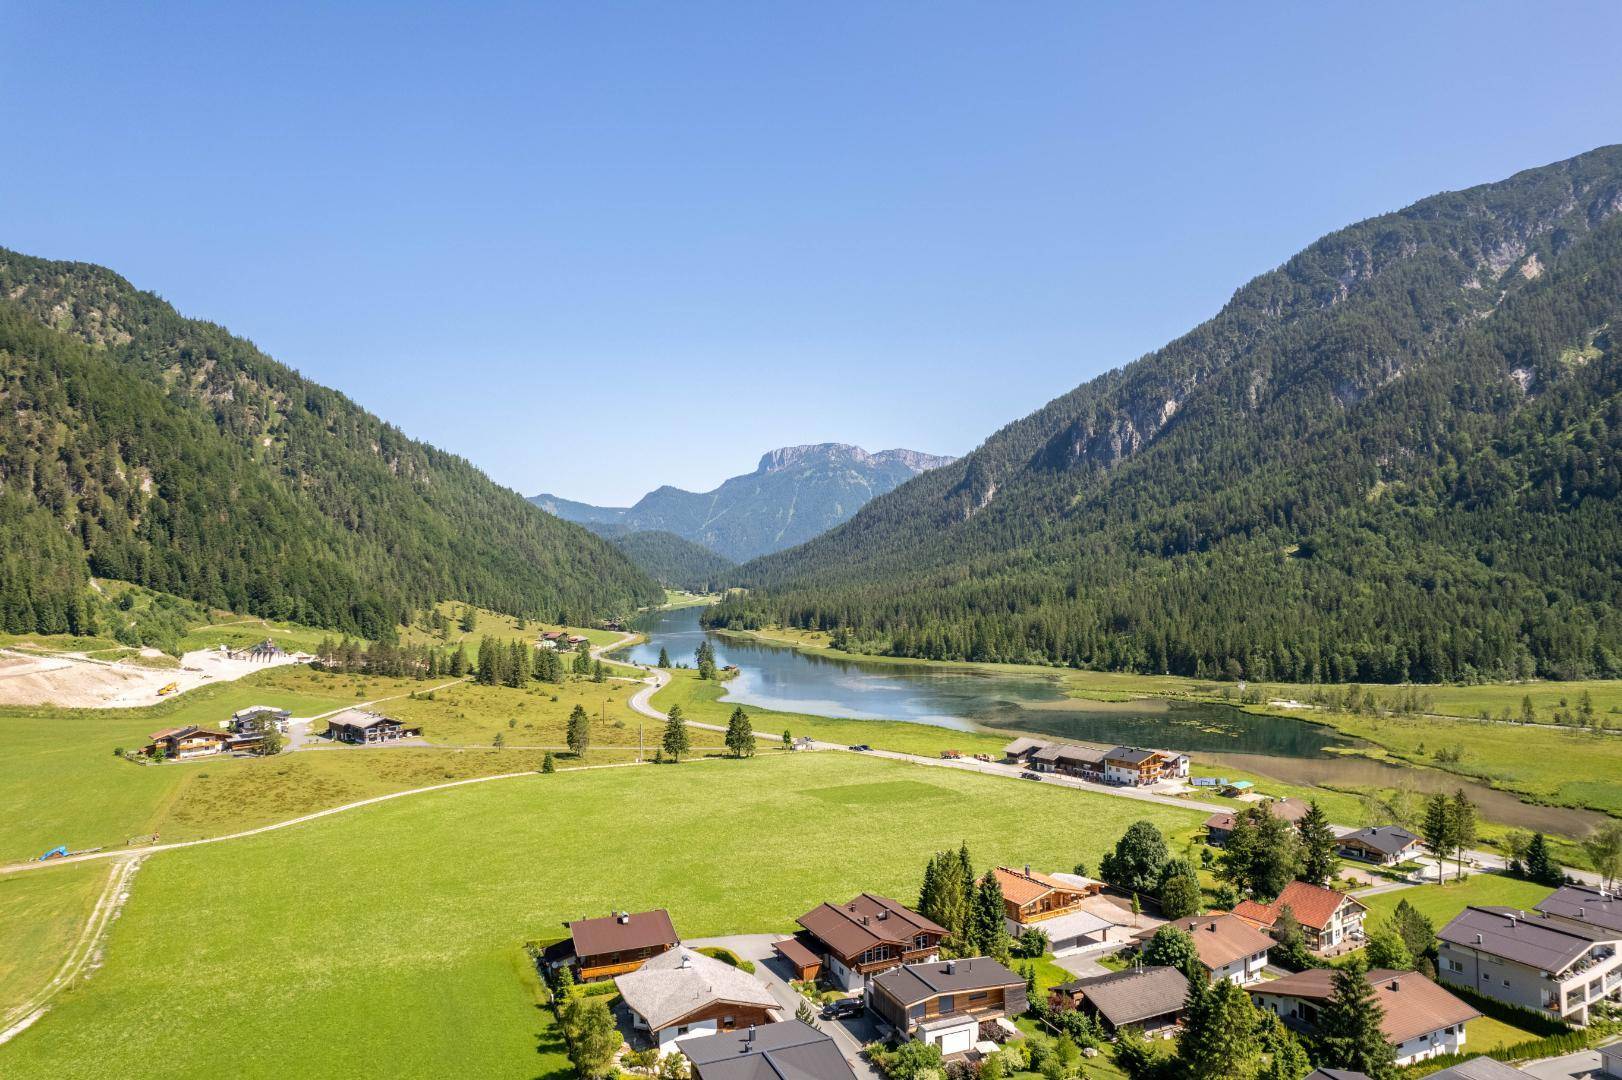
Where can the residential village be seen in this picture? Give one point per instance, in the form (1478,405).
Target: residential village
(1004,970)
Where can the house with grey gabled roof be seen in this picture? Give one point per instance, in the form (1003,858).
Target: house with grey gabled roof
(787,1051)
(1586,905)
(1536,960)
(944,1003)
(1383,845)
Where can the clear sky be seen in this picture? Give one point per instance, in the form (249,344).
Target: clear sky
(596,247)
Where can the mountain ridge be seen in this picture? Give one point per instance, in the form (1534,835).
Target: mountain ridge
(1298,487)
(794,493)
(150,447)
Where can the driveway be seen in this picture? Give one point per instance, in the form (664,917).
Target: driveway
(1582,1065)
(849,1035)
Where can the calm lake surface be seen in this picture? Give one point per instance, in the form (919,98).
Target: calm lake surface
(1289,750)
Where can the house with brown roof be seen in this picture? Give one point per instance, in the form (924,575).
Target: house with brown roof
(1382,845)
(1136,767)
(681,993)
(622,942)
(1421,1019)
(1056,904)
(944,1003)
(1329,918)
(1229,947)
(855,941)
(1551,963)
(1219,826)
(184,743)
(1150,999)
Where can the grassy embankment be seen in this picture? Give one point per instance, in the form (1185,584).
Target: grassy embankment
(42,914)
(413,911)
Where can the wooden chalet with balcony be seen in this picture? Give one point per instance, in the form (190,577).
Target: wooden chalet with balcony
(853,942)
(619,943)
(944,1003)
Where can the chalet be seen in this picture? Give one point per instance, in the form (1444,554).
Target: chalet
(256,718)
(1383,845)
(1135,767)
(944,1003)
(367,728)
(1069,759)
(854,942)
(789,1049)
(264,652)
(1229,947)
(1329,918)
(576,640)
(1150,999)
(186,742)
(1551,963)
(1055,904)
(619,943)
(554,636)
(681,994)
(1219,826)
(1421,1020)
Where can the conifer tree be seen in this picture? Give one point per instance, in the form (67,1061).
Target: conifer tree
(987,932)
(1464,828)
(676,741)
(1437,830)
(740,736)
(1539,866)
(1318,857)
(582,660)
(1219,1039)
(1349,1032)
(664,657)
(578,732)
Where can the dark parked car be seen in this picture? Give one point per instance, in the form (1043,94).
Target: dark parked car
(1028,775)
(860,746)
(843,1009)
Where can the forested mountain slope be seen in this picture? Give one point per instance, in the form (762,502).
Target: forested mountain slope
(141,445)
(675,562)
(1394,457)
(795,493)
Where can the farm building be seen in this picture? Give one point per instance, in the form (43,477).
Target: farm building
(363,728)
(186,742)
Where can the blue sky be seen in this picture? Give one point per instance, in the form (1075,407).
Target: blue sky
(596,247)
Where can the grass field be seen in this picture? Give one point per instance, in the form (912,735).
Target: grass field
(41,915)
(1439,903)
(57,757)
(496,625)
(396,939)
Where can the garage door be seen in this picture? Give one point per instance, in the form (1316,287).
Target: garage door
(957,1040)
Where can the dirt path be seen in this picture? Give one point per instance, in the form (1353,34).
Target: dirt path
(85,953)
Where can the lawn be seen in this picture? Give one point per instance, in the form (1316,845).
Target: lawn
(41,915)
(494,624)
(394,942)
(1439,903)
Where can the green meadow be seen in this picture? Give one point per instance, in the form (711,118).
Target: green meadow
(395,946)
(1439,903)
(42,914)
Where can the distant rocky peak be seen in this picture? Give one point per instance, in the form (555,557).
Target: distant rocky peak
(845,454)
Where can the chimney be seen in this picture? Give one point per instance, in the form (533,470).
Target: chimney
(1395,986)
(951,967)
(884,913)
(1582,913)
(686,960)
(1513,924)
(1027,869)
(625,917)
(749,1036)
(1478,939)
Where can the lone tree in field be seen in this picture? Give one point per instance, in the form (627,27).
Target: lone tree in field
(740,734)
(597,672)
(582,660)
(1318,858)
(676,741)
(547,764)
(578,733)
(788,740)
(664,657)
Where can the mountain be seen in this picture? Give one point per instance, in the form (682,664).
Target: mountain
(141,445)
(674,562)
(794,494)
(1394,457)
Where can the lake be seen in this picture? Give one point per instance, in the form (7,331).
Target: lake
(1286,749)
(786,679)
